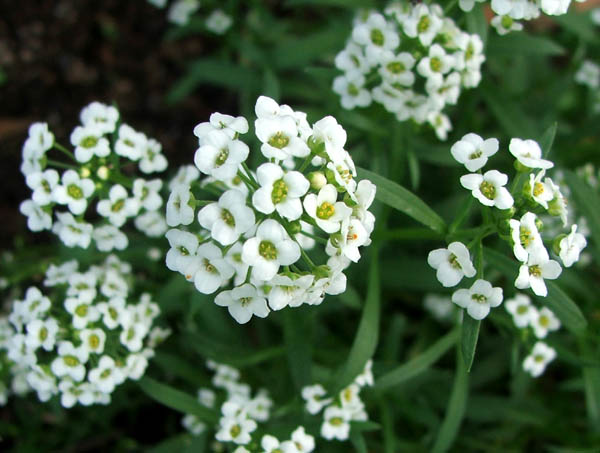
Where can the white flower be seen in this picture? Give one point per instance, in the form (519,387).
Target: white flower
(74,191)
(533,273)
(288,290)
(133,334)
(218,22)
(181,11)
(305,443)
(528,153)
(326,210)
(72,232)
(114,312)
(70,361)
(452,264)
(595,16)
(505,24)
(540,192)
(179,206)
(56,275)
(232,126)
(279,191)
(147,193)
(544,321)
(536,362)
(366,377)
(32,159)
(82,312)
(93,340)
(234,258)
(478,299)
(41,333)
(397,68)
(279,138)
(40,138)
(314,397)
(42,184)
(351,88)
(103,117)
(377,35)
(258,408)
(136,365)
(106,375)
(234,426)
(186,175)
(118,207)
(130,144)
(352,236)
(109,237)
(436,63)
(422,24)
(440,123)
(571,246)
(526,237)
(72,393)
(588,74)
(352,58)
(228,219)
(151,223)
(270,248)
(521,310)
(193,424)
(555,7)
(89,142)
(37,217)
(473,151)
(489,189)
(183,250)
(470,57)
(152,159)
(439,306)
(336,423)
(210,269)
(558,205)
(220,156)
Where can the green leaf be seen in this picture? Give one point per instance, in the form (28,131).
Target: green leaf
(298,346)
(547,139)
(456,408)
(367,334)
(587,201)
(468,339)
(510,116)
(397,197)
(300,51)
(419,364)
(562,305)
(591,381)
(519,43)
(580,25)
(175,364)
(176,399)
(358,441)
(477,23)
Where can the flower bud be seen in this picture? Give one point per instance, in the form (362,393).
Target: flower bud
(103,172)
(556,243)
(317,180)
(295,227)
(85,172)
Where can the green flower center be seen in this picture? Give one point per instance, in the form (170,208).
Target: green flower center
(237,257)
(453,260)
(118,206)
(353,90)
(227,217)
(522,309)
(325,211)
(396,67)
(43,334)
(89,142)
(94,341)
(538,189)
(355,60)
(267,250)
(222,157)
(469,51)
(279,192)
(209,267)
(113,313)
(106,373)
(74,191)
(235,431)
(525,237)
(279,140)
(506,22)
(70,360)
(539,358)
(544,321)
(34,305)
(245,301)
(435,64)
(377,37)
(130,333)
(479,298)
(46,186)
(183,250)
(423,24)
(128,143)
(336,421)
(81,310)
(476,154)
(488,190)
(535,270)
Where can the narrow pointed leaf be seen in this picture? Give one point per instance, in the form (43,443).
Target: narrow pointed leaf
(468,340)
(547,139)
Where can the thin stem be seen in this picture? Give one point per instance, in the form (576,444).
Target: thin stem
(58,164)
(64,150)
(249,173)
(307,258)
(251,185)
(320,240)
(305,163)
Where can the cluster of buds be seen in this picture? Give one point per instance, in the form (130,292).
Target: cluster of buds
(413,60)
(83,336)
(98,169)
(256,237)
(181,11)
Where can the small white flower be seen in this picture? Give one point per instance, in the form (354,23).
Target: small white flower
(270,248)
(147,193)
(151,223)
(288,290)
(72,393)
(70,361)
(555,7)
(397,68)
(183,250)
(439,306)
(478,299)
(473,151)
(220,156)
(218,22)
(152,159)
(352,58)
(193,424)
(571,247)
(114,312)
(93,340)
(533,273)
(102,116)
(436,63)
(314,395)
(452,264)
(56,275)
(74,191)
(528,153)
(82,312)
(526,237)
(489,188)
(89,142)
(232,126)
(279,191)
(41,333)
(118,207)
(422,24)
(377,35)
(536,362)
(366,377)
(133,334)
(109,237)
(440,123)
(72,232)
(234,426)
(135,366)
(186,175)
(106,375)
(540,192)
(243,302)
(228,219)
(505,24)
(351,88)
(336,423)
(181,11)
(37,217)
(40,138)
(558,205)
(179,208)
(326,210)
(42,184)
(543,322)
(130,144)
(279,138)
(305,443)
(521,310)
(210,269)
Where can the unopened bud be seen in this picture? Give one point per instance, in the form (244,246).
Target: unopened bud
(295,227)
(317,180)
(103,172)
(556,243)
(85,172)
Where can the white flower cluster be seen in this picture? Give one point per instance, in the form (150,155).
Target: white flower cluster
(181,11)
(588,75)
(102,146)
(85,338)
(509,11)
(340,410)
(413,60)
(525,315)
(257,234)
(241,413)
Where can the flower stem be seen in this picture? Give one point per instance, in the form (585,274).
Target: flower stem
(251,185)
(58,164)
(320,240)
(64,150)
(307,258)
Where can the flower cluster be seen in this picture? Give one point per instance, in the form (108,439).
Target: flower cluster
(413,60)
(241,413)
(518,222)
(257,234)
(98,167)
(84,337)
(525,315)
(509,11)
(339,411)
(181,11)
(588,75)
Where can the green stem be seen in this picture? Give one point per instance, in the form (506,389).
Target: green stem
(58,164)
(64,150)
(251,185)
(306,163)
(450,6)
(320,240)
(307,258)
(249,174)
